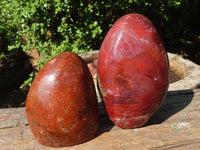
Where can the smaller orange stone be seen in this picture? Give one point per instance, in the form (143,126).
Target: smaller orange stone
(61,105)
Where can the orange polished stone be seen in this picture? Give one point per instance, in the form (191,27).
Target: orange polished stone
(61,105)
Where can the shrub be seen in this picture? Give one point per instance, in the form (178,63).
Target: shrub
(54,26)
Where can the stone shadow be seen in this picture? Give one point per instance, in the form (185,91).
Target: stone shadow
(105,124)
(175,101)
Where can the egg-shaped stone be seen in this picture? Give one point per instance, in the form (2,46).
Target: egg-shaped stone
(132,71)
(61,105)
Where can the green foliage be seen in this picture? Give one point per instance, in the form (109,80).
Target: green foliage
(49,26)
(2,55)
(28,82)
(55,26)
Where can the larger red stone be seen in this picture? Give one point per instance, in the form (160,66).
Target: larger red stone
(61,105)
(133,71)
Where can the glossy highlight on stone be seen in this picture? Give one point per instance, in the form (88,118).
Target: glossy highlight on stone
(132,71)
(61,105)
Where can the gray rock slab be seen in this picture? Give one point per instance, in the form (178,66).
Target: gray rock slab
(192,79)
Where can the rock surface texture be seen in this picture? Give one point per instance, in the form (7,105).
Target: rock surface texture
(61,105)
(132,71)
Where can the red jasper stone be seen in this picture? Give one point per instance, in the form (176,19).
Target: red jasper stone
(61,105)
(133,71)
